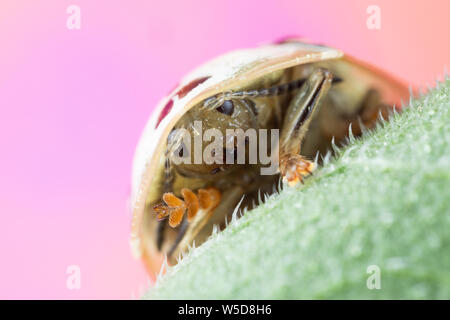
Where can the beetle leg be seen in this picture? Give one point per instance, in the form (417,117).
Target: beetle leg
(212,207)
(202,208)
(199,209)
(299,114)
(334,123)
(369,111)
(174,209)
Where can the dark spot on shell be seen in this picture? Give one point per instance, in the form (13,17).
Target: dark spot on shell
(286,39)
(165,111)
(191,85)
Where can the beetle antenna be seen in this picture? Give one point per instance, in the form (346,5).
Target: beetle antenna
(216,100)
(275,90)
(272,91)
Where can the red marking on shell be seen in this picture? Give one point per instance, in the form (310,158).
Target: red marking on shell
(181,93)
(191,85)
(286,39)
(165,111)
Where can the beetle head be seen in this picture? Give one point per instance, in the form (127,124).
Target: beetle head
(211,126)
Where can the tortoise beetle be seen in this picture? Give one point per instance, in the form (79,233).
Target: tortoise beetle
(311,93)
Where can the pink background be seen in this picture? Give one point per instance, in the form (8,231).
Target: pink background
(73,104)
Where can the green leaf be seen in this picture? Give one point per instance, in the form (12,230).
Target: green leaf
(384,201)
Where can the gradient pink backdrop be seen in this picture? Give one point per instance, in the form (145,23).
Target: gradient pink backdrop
(73,104)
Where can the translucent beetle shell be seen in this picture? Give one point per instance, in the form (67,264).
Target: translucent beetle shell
(242,69)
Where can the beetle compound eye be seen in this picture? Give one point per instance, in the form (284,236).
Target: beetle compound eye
(182,151)
(227,107)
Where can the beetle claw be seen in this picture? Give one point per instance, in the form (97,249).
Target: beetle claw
(162,210)
(293,167)
(175,208)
